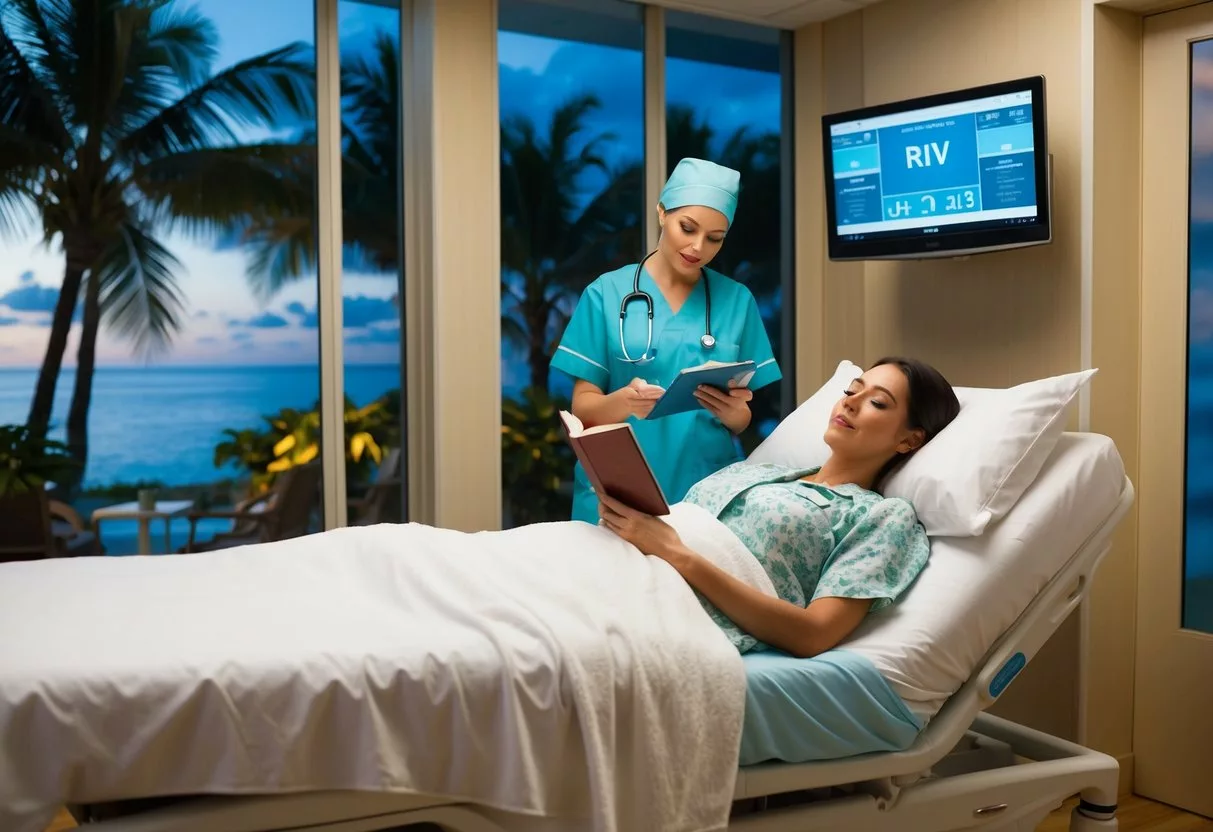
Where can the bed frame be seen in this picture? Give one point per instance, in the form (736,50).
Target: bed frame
(967,770)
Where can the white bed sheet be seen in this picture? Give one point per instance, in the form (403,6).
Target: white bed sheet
(542,670)
(974,588)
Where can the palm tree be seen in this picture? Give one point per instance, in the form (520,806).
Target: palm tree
(115,130)
(550,248)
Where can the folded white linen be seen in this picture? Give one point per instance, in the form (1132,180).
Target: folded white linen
(550,670)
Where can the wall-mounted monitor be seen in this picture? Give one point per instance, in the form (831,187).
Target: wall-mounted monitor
(946,175)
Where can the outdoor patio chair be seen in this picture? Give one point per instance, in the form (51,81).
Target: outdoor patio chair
(380,503)
(33,526)
(282,512)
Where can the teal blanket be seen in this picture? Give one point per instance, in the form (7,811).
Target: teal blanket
(828,707)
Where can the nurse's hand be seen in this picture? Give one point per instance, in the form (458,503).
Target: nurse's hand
(651,535)
(732,408)
(638,397)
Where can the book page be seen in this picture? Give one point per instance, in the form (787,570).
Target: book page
(577,427)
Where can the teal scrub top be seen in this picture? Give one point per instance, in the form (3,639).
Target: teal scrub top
(686,447)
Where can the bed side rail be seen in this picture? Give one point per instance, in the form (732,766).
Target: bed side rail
(1011,653)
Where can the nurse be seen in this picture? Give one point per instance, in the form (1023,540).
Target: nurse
(640,325)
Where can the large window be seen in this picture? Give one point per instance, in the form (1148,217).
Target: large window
(168,334)
(725,101)
(572,180)
(1198,534)
(372,279)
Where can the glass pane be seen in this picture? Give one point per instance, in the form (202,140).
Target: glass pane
(724,102)
(372,275)
(188,341)
(572,148)
(1198,532)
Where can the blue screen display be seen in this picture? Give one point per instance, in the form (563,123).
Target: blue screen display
(971,162)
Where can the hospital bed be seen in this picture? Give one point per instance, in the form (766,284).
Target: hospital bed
(978,614)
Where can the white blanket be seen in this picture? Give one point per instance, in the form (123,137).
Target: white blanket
(550,670)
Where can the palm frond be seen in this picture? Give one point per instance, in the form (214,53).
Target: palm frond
(185,40)
(140,299)
(172,52)
(31,69)
(261,91)
(282,250)
(225,189)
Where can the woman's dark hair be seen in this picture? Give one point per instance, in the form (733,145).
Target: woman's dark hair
(931,408)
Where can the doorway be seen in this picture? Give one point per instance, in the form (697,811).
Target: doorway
(1173,710)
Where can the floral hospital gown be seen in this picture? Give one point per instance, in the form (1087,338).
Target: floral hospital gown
(812,540)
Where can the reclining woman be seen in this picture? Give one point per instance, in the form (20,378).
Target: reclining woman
(833,548)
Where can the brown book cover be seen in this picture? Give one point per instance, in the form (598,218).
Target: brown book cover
(615,464)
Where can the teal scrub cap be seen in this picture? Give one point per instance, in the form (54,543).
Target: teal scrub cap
(698,182)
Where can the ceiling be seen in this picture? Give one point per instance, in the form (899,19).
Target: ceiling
(785,14)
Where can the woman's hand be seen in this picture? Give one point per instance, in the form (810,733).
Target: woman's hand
(651,535)
(638,397)
(731,408)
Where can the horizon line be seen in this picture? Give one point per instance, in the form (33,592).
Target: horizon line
(199,366)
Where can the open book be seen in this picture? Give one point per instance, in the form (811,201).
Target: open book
(679,397)
(615,465)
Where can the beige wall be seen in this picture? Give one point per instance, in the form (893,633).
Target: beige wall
(991,320)
(1000,319)
(1116,349)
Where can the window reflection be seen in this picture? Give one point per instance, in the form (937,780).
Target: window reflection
(572,151)
(725,102)
(1198,531)
(372,270)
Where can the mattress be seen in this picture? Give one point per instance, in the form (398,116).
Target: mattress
(878,689)
(974,588)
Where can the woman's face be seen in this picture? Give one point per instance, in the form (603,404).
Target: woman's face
(691,236)
(870,421)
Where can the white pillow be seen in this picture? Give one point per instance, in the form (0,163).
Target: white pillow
(969,475)
(979,466)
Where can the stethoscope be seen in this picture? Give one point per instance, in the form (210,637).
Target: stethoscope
(708,340)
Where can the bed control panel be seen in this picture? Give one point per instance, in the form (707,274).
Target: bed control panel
(1006,674)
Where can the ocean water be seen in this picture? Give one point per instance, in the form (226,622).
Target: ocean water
(163,423)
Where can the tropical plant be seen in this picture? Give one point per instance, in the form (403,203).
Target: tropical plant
(292,438)
(28,460)
(535,459)
(116,130)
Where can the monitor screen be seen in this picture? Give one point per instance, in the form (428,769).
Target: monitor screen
(963,170)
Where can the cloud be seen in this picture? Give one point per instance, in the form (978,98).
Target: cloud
(1202,67)
(615,76)
(266,320)
(375,335)
(5,321)
(208,339)
(242,336)
(30,297)
(357,311)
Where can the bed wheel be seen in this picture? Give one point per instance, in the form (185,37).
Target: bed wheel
(1090,818)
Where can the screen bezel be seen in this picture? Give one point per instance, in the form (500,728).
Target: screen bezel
(946,243)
